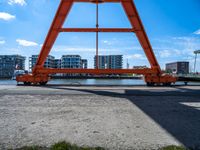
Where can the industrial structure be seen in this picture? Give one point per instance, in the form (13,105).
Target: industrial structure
(109,62)
(178,67)
(9,63)
(153,75)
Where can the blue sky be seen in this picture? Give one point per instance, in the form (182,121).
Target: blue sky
(173,27)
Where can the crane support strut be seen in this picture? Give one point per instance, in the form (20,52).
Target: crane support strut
(152,75)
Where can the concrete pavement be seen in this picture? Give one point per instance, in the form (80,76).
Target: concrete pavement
(117,117)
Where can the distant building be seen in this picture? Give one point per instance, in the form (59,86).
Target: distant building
(139,67)
(49,63)
(84,63)
(57,63)
(71,61)
(127,64)
(109,62)
(9,63)
(178,67)
(66,61)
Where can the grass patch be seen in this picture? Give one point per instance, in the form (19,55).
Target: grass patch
(60,146)
(172,147)
(67,146)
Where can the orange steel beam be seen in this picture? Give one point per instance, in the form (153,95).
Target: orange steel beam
(97,35)
(97,30)
(134,18)
(61,14)
(96,71)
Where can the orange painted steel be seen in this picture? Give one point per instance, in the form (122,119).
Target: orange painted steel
(152,75)
(61,14)
(136,23)
(96,71)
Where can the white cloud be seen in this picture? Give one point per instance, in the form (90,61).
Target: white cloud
(164,53)
(177,47)
(26,43)
(2,42)
(19,2)
(197,32)
(107,42)
(77,49)
(74,49)
(6,16)
(135,56)
(10,50)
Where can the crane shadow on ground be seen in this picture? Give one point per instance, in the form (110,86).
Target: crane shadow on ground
(177,111)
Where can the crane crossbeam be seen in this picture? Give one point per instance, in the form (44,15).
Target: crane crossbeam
(96,71)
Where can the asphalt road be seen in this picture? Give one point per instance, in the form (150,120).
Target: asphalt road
(118,117)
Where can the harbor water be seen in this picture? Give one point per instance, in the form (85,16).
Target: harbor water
(85,82)
(111,82)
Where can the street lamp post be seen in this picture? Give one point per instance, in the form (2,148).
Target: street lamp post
(195,61)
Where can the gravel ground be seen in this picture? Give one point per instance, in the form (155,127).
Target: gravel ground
(119,118)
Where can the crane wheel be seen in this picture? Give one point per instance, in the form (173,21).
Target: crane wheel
(167,84)
(150,83)
(27,83)
(43,83)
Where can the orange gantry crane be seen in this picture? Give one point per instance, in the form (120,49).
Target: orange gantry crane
(152,76)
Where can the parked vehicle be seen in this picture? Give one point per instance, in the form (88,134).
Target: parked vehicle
(18,72)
